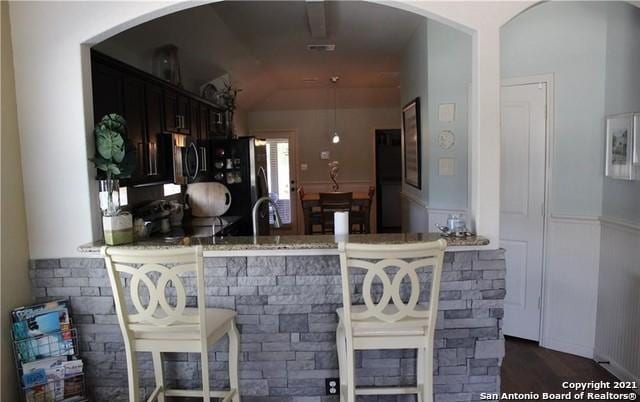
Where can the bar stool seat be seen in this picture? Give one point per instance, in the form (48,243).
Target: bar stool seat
(373,327)
(216,318)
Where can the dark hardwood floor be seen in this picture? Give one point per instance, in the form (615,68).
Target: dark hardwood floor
(529,368)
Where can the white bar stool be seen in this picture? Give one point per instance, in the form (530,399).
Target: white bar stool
(389,323)
(159,326)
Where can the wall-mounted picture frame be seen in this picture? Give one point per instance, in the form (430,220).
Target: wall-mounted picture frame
(619,146)
(636,141)
(412,143)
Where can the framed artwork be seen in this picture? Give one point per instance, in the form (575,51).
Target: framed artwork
(411,141)
(636,140)
(620,146)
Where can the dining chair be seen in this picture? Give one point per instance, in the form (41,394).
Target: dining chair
(312,217)
(390,322)
(154,317)
(361,217)
(331,203)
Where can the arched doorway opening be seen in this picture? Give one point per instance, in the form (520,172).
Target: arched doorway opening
(381,67)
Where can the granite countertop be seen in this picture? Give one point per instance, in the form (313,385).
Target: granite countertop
(308,242)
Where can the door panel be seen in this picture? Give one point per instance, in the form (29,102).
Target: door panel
(282,177)
(516,279)
(522,189)
(515,159)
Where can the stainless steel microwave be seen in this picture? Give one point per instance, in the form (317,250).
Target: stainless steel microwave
(186,159)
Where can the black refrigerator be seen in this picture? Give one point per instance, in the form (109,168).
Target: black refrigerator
(241,165)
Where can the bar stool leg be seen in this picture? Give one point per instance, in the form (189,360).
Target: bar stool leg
(204,362)
(351,366)
(420,373)
(234,346)
(132,373)
(342,357)
(158,371)
(427,375)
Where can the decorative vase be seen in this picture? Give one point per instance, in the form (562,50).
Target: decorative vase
(118,229)
(109,194)
(117,226)
(166,64)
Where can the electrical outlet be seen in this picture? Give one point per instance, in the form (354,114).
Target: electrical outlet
(325,155)
(332,386)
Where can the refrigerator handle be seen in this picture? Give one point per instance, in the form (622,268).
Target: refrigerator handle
(263,177)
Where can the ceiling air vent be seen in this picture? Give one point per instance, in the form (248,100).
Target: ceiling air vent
(322,48)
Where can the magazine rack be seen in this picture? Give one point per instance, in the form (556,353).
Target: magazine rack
(64,382)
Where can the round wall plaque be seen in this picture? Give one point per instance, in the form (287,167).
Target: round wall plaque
(446,139)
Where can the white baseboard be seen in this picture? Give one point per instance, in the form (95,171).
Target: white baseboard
(616,369)
(567,347)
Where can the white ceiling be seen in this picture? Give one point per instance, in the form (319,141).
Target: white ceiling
(263,46)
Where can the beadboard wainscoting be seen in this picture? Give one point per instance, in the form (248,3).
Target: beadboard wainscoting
(617,338)
(415,214)
(570,290)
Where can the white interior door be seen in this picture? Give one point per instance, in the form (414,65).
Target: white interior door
(282,177)
(522,190)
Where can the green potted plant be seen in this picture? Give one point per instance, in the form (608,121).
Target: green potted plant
(113,162)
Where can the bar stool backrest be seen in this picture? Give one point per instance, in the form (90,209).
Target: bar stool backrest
(152,276)
(404,260)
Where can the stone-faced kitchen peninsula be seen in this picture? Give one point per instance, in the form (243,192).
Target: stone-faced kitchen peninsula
(286,291)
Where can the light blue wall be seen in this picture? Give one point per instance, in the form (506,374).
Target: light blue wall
(449,71)
(414,83)
(436,66)
(567,39)
(621,198)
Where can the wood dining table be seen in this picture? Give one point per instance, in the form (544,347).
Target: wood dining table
(312,200)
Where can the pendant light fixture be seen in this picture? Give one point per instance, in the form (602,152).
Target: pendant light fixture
(335,138)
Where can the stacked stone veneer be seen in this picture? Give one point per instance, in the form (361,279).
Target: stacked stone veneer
(286,316)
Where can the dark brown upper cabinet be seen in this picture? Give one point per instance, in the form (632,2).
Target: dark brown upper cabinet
(159,146)
(177,117)
(203,121)
(194,118)
(154,109)
(107,90)
(134,114)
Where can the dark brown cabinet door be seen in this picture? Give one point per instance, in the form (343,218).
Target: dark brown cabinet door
(185,114)
(107,91)
(134,113)
(215,123)
(203,122)
(176,113)
(159,165)
(194,117)
(172,121)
